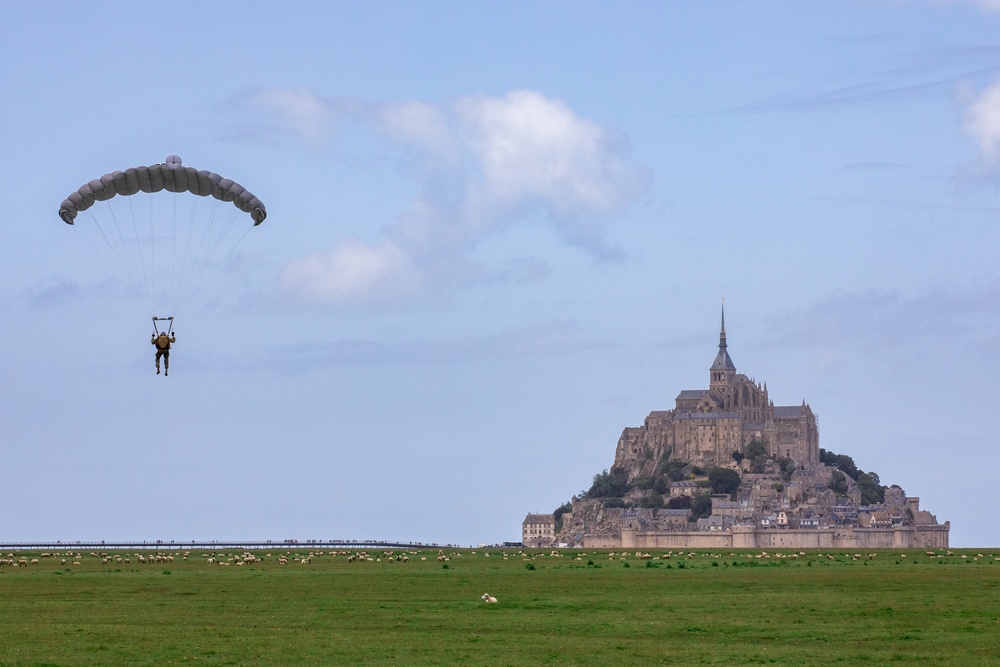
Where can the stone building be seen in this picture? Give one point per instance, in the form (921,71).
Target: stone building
(707,425)
(538,530)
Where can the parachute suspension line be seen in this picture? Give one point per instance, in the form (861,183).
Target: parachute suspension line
(138,244)
(151,217)
(140,278)
(118,248)
(83,233)
(173,259)
(184,278)
(205,271)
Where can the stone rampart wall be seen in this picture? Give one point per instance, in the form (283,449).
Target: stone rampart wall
(742,537)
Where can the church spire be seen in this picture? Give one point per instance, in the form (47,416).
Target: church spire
(723,368)
(722,332)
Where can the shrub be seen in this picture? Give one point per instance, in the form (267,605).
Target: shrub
(652,500)
(679,503)
(644,483)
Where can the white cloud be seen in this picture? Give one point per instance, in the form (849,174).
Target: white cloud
(353,272)
(982,122)
(531,147)
(420,125)
(485,163)
(873,321)
(307,116)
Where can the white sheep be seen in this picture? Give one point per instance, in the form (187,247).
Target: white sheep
(489,598)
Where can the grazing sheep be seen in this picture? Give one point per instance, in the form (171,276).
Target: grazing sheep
(489,598)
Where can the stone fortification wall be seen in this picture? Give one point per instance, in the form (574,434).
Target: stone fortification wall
(602,541)
(745,537)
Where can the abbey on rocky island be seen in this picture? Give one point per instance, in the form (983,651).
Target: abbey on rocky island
(781,493)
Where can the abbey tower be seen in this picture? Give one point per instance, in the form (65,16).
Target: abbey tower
(707,425)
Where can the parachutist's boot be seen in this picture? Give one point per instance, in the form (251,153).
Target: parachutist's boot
(157,370)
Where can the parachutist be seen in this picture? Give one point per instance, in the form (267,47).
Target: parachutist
(162,343)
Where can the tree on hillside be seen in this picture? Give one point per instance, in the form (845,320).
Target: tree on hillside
(558,514)
(662,485)
(756,450)
(723,480)
(700,506)
(607,484)
(674,470)
(842,461)
(872,491)
(757,453)
(652,500)
(838,483)
(787,468)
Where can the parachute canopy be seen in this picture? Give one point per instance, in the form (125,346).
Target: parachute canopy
(164,240)
(170,176)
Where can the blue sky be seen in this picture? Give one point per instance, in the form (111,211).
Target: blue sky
(497,234)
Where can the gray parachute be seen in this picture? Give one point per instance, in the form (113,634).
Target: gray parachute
(169,176)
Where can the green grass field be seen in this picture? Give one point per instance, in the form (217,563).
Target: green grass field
(578,608)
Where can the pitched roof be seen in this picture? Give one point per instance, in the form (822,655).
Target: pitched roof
(722,361)
(690,394)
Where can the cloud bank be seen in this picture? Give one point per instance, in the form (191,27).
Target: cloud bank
(483,164)
(547,339)
(982,122)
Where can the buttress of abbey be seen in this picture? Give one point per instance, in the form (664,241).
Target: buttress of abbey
(707,426)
